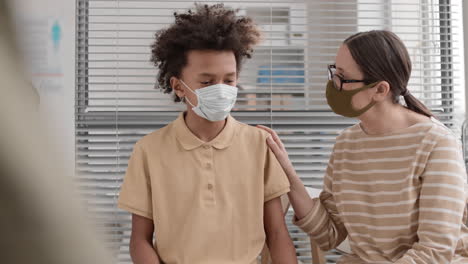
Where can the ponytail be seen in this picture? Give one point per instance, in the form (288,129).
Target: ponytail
(413,104)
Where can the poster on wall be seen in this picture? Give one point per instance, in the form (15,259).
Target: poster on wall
(40,42)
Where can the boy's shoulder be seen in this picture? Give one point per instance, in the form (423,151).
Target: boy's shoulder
(157,137)
(248,131)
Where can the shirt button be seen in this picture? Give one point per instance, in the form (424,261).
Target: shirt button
(210,186)
(208,165)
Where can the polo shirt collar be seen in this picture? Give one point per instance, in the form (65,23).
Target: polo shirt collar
(189,141)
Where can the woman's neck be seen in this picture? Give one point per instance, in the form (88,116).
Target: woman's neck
(388,118)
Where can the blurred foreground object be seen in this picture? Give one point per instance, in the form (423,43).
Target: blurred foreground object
(41,220)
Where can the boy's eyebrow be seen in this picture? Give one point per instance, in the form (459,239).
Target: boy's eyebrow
(205,74)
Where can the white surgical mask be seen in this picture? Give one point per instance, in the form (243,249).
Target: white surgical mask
(214,102)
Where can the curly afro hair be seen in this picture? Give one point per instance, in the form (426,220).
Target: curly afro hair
(212,27)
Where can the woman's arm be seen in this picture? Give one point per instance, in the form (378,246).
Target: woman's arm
(318,217)
(298,196)
(442,202)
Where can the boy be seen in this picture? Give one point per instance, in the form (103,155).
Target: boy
(206,184)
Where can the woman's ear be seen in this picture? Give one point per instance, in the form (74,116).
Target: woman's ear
(177,87)
(382,91)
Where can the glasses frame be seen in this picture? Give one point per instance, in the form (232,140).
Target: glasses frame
(331,75)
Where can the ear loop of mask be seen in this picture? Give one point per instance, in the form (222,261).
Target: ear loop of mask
(198,98)
(185,97)
(371,104)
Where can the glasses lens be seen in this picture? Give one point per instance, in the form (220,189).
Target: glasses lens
(336,82)
(331,72)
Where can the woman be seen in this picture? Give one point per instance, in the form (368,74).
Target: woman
(395,181)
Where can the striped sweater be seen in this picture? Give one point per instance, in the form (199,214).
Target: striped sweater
(398,197)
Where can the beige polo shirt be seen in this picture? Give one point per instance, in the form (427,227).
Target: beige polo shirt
(205,198)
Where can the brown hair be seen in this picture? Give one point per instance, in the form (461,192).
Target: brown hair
(382,56)
(207,28)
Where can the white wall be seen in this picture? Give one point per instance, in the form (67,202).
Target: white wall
(52,68)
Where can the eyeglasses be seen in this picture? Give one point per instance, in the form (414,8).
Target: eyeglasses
(337,80)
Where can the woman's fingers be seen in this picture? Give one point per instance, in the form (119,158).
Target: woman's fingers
(279,151)
(279,142)
(282,157)
(273,146)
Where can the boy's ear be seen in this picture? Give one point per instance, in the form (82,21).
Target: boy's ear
(177,87)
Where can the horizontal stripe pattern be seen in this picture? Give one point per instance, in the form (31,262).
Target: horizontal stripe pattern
(400,196)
